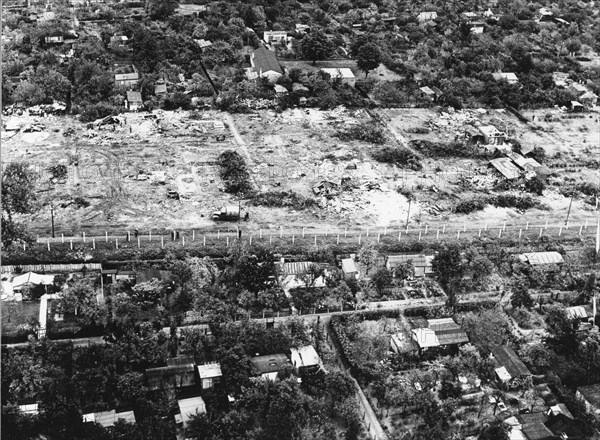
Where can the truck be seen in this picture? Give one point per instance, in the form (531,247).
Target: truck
(230,213)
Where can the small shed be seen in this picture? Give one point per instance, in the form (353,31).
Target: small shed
(505,167)
(30,409)
(541,258)
(210,374)
(280,90)
(349,269)
(305,359)
(188,408)
(134,101)
(268,366)
(427,16)
(509,77)
(160,88)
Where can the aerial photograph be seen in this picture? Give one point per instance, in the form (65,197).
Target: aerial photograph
(300,220)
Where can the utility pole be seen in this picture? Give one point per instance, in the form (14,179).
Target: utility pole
(52,217)
(569,211)
(408,214)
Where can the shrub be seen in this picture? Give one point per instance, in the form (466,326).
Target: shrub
(97,111)
(443,149)
(400,157)
(363,132)
(277,199)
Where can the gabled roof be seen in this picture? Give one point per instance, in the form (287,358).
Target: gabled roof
(180,360)
(305,356)
(211,370)
(576,312)
(505,167)
(134,96)
(541,258)
(269,363)
(191,407)
(349,266)
(32,278)
(265,61)
(425,338)
(504,356)
(508,76)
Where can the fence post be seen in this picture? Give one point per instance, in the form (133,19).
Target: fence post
(527,226)
(546,225)
(93,243)
(251,240)
(338,239)
(227,241)
(520,232)
(504,226)
(541,229)
(48,243)
(193,235)
(139,241)
(260,233)
(162,242)
(219,234)
(458,235)
(270,239)
(128,236)
(280,231)
(400,235)
(437,235)
(378,237)
(84,237)
(71,241)
(443,229)
(23,246)
(303,231)
(293,239)
(62,238)
(580,229)
(345,232)
(500,233)
(150,235)
(116,243)
(326,231)
(106,236)
(367,232)
(465,227)
(183,241)
(479,233)
(586,224)
(560,231)
(204,241)
(315,238)
(359,237)
(419,235)
(385,230)
(426,226)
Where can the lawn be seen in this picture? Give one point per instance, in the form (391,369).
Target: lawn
(15,314)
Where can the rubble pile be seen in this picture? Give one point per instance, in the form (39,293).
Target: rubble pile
(455,120)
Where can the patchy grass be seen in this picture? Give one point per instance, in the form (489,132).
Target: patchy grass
(280,199)
(15,314)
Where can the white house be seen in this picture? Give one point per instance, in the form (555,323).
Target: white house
(271,37)
(210,374)
(344,73)
(305,359)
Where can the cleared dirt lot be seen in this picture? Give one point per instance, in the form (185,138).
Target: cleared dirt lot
(124,170)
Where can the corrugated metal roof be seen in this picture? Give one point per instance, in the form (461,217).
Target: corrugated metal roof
(540,258)
(505,356)
(190,407)
(349,266)
(425,338)
(295,268)
(305,356)
(576,312)
(505,167)
(269,363)
(210,370)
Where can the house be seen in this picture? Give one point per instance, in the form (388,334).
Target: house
(349,269)
(422,264)
(528,164)
(126,75)
(134,101)
(342,73)
(508,365)
(509,77)
(533,426)
(271,37)
(442,332)
(107,419)
(280,90)
(541,258)
(31,279)
(268,366)
(188,408)
(305,359)
(577,107)
(489,14)
(210,375)
(589,99)
(160,88)
(265,64)
(491,135)
(583,315)
(476,30)
(302,28)
(171,376)
(291,274)
(426,16)
(29,409)
(55,39)
(430,93)
(505,167)
(560,79)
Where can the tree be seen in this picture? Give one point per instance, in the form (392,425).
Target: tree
(368,256)
(535,185)
(368,57)
(573,46)
(80,300)
(316,46)
(381,279)
(488,328)
(497,430)
(449,268)
(161,9)
(18,197)
(520,296)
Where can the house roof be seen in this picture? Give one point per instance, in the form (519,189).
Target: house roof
(134,96)
(560,408)
(269,363)
(191,407)
(180,360)
(560,423)
(170,376)
(295,268)
(591,394)
(505,167)
(421,263)
(265,61)
(108,418)
(280,89)
(504,356)
(536,431)
(447,331)
(427,16)
(526,163)
(489,130)
(207,371)
(32,278)
(31,408)
(306,356)
(425,337)
(576,312)
(541,258)
(160,88)
(298,87)
(427,90)
(339,72)
(508,76)
(349,266)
